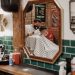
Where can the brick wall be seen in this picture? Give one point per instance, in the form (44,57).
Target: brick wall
(68,47)
(30,16)
(7,41)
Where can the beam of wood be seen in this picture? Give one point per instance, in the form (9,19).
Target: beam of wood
(18,29)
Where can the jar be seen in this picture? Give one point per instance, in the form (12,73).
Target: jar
(17,58)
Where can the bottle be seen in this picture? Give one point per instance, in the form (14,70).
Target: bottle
(10,59)
(62,71)
(73,66)
(68,66)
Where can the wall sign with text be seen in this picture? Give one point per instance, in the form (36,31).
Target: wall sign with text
(40,11)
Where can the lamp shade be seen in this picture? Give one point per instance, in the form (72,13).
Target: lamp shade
(28,7)
(10,5)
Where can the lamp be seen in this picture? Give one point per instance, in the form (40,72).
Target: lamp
(10,5)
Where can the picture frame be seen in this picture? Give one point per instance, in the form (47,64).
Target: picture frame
(72,15)
(40,10)
(3,22)
(38,47)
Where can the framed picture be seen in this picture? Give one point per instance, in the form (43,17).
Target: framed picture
(3,22)
(40,11)
(55,18)
(72,15)
(46,48)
